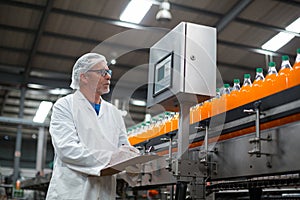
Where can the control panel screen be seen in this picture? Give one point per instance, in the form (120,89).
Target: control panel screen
(163,74)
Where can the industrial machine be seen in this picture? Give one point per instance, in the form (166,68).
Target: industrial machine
(253,145)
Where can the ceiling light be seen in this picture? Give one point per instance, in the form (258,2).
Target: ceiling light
(59,91)
(164,12)
(294,27)
(135,11)
(42,111)
(282,38)
(137,102)
(277,41)
(113,61)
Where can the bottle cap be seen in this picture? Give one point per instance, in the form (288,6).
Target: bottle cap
(246,75)
(236,80)
(272,64)
(298,50)
(226,85)
(285,57)
(259,70)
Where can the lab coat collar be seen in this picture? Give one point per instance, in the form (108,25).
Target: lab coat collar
(87,103)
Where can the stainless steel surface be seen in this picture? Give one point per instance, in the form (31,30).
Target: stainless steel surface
(41,150)
(233,159)
(194,65)
(229,159)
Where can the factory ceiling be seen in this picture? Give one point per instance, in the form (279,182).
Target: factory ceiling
(41,40)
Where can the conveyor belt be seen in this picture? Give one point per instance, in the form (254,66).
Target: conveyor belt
(280,108)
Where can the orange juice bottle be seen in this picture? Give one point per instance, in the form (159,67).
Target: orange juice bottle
(295,74)
(232,100)
(149,129)
(175,121)
(130,136)
(195,114)
(161,125)
(192,110)
(224,97)
(168,123)
(198,112)
(256,90)
(133,138)
(216,103)
(155,127)
(283,78)
(244,95)
(206,109)
(269,85)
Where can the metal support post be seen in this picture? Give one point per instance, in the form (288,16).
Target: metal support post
(41,151)
(180,190)
(19,138)
(184,130)
(257,140)
(257,146)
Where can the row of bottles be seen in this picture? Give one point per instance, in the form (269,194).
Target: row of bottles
(230,98)
(226,99)
(158,125)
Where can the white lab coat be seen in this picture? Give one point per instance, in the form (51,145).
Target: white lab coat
(84,144)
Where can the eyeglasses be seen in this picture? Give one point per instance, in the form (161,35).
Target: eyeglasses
(102,72)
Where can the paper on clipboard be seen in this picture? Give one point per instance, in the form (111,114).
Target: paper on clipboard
(118,167)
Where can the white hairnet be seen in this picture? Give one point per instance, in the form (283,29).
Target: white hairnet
(82,65)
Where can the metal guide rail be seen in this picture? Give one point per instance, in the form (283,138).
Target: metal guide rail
(284,105)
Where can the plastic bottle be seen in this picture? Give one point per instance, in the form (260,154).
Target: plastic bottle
(168,123)
(269,85)
(244,95)
(224,97)
(256,90)
(161,124)
(194,114)
(206,109)
(175,121)
(130,136)
(232,100)
(198,112)
(216,103)
(236,85)
(283,78)
(295,74)
(150,126)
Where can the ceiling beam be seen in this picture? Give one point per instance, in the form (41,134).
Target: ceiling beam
(290,2)
(232,14)
(19,121)
(37,39)
(5,96)
(23,5)
(104,20)
(173,6)
(181,7)
(18,29)
(252,49)
(265,26)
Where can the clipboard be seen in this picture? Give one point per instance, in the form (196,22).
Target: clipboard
(121,166)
